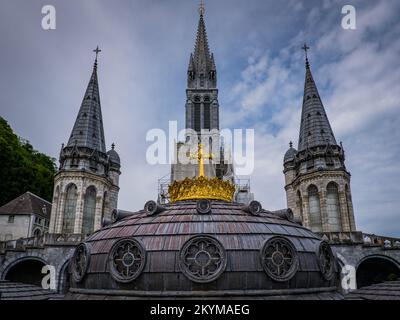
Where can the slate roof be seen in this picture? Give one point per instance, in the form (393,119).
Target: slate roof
(241,234)
(383,291)
(201,61)
(88,129)
(201,50)
(114,157)
(27,203)
(315,128)
(290,154)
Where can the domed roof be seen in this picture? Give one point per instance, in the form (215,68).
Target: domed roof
(114,157)
(202,248)
(290,154)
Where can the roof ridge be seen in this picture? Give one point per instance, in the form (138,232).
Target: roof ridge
(40,198)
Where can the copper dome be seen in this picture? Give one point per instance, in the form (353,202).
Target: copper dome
(182,250)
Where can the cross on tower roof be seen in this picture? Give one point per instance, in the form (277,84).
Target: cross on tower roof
(97,51)
(202,8)
(306,48)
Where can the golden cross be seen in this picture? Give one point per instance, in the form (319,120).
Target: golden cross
(200,156)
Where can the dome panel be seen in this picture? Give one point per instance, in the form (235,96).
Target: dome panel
(235,239)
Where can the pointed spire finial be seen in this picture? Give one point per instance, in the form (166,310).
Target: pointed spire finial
(290,144)
(202,8)
(306,48)
(97,51)
(113,146)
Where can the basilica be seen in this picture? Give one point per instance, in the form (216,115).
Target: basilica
(204,235)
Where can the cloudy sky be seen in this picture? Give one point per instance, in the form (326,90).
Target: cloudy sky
(256,44)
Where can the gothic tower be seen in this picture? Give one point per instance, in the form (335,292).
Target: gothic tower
(86,184)
(202,109)
(317,183)
(202,93)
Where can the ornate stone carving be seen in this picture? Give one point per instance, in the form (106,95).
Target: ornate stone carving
(126,260)
(279,259)
(326,260)
(203,259)
(80,262)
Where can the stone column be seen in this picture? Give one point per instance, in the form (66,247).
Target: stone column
(344,215)
(306,210)
(79,208)
(60,212)
(98,210)
(351,212)
(323,209)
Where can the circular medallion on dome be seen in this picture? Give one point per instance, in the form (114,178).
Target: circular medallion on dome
(326,260)
(255,207)
(203,206)
(203,259)
(279,259)
(150,207)
(126,260)
(80,261)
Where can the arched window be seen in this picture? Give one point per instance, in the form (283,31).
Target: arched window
(37,233)
(315,209)
(70,209)
(197,117)
(332,207)
(89,210)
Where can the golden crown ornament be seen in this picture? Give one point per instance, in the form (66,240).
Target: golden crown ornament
(201,187)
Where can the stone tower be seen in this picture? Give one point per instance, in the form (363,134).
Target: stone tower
(86,184)
(202,109)
(317,183)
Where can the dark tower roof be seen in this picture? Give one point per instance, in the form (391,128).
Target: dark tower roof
(202,69)
(290,155)
(202,54)
(114,156)
(88,128)
(315,128)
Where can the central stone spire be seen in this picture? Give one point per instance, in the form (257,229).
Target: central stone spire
(202,70)
(202,108)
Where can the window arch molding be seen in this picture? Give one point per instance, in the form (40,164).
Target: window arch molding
(314,207)
(71,198)
(333,206)
(89,209)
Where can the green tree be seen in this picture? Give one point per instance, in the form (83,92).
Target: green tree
(22,168)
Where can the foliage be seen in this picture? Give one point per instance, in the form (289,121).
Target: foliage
(22,168)
(392,277)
